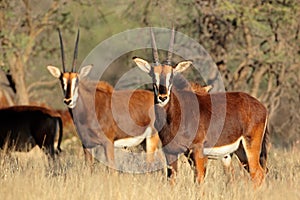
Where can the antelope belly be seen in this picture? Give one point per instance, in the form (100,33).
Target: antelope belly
(222,151)
(132,141)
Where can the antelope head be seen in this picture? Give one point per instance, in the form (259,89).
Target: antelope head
(69,79)
(162,74)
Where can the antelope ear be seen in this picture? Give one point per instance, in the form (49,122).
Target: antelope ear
(54,71)
(208,88)
(180,67)
(84,71)
(142,64)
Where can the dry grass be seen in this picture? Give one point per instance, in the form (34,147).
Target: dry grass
(29,176)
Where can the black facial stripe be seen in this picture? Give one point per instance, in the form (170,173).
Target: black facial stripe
(171,78)
(68,92)
(162,84)
(62,84)
(155,89)
(162,89)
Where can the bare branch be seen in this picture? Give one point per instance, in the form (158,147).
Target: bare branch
(257,78)
(35,30)
(41,84)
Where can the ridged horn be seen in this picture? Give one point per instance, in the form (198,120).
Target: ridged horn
(171,46)
(154,48)
(75,52)
(62,51)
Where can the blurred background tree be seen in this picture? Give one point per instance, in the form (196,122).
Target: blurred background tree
(255,44)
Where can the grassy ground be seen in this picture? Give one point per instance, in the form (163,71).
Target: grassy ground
(29,176)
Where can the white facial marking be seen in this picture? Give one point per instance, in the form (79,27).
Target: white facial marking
(65,84)
(222,150)
(163,103)
(167,85)
(157,77)
(168,77)
(74,93)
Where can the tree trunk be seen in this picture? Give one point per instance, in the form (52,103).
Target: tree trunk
(18,76)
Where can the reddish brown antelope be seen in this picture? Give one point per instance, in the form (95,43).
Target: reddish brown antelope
(114,124)
(89,100)
(23,127)
(190,123)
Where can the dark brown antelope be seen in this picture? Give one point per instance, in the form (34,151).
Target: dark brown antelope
(204,126)
(99,112)
(23,127)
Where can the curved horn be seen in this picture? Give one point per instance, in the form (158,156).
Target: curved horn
(170,51)
(75,52)
(62,50)
(154,48)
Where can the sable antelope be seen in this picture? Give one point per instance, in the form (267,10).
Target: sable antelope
(191,123)
(112,126)
(117,129)
(23,127)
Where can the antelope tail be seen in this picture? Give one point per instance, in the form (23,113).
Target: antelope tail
(60,133)
(264,149)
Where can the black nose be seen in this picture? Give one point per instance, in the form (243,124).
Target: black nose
(163,98)
(67,101)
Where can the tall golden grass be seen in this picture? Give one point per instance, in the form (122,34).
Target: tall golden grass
(30,176)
